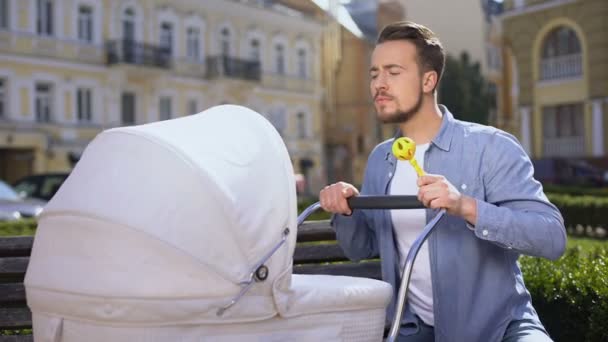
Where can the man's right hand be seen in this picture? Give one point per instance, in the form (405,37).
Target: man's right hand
(333,197)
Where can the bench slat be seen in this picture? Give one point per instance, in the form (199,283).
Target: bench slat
(368,269)
(316,231)
(15,318)
(11,294)
(318,253)
(13,269)
(16,246)
(15,338)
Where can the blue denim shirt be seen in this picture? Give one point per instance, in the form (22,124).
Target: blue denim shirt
(478,287)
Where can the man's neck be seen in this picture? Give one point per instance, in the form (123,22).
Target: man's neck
(424,125)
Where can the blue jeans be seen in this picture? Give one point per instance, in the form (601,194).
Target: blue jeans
(518,331)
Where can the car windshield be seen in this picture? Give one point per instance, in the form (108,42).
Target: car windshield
(6,192)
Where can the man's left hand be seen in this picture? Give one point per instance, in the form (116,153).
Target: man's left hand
(435,191)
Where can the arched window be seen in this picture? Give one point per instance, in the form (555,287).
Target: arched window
(302,63)
(561,55)
(254,50)
(225,42)
(280,59)
(128,25)
(302,124)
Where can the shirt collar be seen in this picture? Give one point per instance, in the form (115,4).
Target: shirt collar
(443,139)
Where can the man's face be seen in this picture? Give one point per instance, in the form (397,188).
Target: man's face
(395,81)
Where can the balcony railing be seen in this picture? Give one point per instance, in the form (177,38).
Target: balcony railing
(132,52)
(224,66)
(564,147)
(561,67)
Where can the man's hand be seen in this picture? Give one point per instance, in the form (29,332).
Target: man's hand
(333,197)
(437,192)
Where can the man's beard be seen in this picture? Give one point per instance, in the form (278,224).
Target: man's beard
(403,116)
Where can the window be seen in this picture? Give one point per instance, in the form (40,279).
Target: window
(128,25)
(561,55)
(193,43)
(192,107)
(128,108)
(3,97)
(563,121)
(84,106)
(563,130)
(166,37)
(302,125)
(4,14)
(164,108)
(254,50)
(280,59)
(85,24)
(43,102)
(44,22)
(278,120)
(225,42)
(302,72)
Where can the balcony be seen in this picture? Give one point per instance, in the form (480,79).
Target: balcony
(564,147)
(136,53)
(567,66)
(224,66)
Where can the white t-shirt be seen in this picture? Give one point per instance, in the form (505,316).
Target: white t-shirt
(408,224)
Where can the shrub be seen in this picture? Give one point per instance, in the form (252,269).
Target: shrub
(571,294)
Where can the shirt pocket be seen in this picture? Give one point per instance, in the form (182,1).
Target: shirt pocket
(470,184)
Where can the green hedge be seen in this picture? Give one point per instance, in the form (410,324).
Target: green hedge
(582,210)
(575,190)
(571,294)
(16,228)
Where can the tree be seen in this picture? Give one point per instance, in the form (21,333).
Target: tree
(465,91)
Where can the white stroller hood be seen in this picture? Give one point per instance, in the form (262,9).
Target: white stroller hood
(163,225)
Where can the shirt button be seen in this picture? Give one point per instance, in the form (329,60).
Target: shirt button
(390,174)
(484,232)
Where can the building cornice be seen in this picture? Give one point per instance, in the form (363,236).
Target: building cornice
(535,8)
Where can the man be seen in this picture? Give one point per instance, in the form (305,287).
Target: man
(466,283)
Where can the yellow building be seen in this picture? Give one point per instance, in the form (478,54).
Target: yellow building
(552,81)
(71,68)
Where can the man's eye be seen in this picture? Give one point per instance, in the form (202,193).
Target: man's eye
(394,73)
(373,77)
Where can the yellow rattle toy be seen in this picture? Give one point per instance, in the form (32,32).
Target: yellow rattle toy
(404,148)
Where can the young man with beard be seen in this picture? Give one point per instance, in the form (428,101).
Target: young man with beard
(466,284)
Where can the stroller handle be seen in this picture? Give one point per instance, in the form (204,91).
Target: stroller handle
(369,202)
(384,202)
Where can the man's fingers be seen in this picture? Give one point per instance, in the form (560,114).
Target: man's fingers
(428,179)
(333,198)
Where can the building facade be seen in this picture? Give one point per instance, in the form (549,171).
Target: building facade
(72,68)
(552,76)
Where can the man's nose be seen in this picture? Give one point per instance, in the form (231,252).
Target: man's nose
(380,83)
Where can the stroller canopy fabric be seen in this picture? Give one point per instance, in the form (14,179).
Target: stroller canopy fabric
(162,223)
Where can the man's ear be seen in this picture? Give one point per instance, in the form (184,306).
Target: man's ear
(429,81)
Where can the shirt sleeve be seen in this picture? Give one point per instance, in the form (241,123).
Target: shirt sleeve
(516,214)
(354,233)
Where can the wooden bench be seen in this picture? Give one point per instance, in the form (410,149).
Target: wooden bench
(315,253)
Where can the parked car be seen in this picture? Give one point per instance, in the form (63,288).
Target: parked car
(14,207)
(563,171)
(42,186)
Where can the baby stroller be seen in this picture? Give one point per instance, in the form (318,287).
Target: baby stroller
(184,230)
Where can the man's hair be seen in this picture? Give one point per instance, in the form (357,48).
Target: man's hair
(430,54)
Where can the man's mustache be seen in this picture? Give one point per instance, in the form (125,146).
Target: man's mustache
(382,94)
